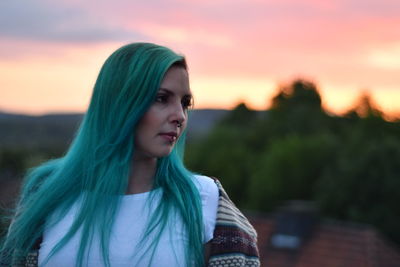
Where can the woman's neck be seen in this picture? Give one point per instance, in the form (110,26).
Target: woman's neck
(142,175)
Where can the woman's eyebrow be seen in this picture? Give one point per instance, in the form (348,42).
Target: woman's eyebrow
(169,92)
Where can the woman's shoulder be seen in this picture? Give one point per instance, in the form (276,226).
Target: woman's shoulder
(205,184)
(209,194)
(208,190)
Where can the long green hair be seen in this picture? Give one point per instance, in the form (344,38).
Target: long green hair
(99,161)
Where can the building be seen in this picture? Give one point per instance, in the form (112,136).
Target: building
(296,237)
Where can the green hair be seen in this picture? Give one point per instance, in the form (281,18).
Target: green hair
(99,160)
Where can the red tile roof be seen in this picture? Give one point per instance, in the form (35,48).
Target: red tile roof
(332,244)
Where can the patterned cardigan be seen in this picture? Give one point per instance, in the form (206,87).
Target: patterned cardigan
(235,240)
(234,243)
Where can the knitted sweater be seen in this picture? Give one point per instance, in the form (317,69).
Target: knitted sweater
(235,240)
(234,243)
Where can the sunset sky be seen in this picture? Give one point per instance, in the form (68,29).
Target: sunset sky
(238,50)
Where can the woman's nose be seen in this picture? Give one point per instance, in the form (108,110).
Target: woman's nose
(178,114)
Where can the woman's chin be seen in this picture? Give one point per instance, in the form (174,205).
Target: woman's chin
(165,154)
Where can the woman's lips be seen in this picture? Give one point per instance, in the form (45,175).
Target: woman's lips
(171,137)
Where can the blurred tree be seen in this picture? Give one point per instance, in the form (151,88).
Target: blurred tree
(362,185)
(365,107)
(225,156)
(299,93)
(240,117)
(12,162)
(296,109)
(289,170)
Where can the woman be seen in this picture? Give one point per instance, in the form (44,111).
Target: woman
(121,195)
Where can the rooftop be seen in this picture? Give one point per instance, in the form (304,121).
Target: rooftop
(331,244)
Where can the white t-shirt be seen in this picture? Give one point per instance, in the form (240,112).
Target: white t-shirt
(130,223)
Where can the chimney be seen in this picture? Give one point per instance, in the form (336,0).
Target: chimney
(295,223)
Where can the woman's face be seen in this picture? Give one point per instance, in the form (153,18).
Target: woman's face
(161,126)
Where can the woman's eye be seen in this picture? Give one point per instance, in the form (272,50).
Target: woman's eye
(187,103)
(161,98)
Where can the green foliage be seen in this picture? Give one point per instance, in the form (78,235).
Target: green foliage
(289,169)
(12,161)
(362,185)
(15,161)
(299,93)
(296,109)
(224,155)
(240,117)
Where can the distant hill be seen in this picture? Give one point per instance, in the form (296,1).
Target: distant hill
(201,121)
(19,130)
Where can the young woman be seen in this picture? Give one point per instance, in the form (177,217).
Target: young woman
(121,195)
